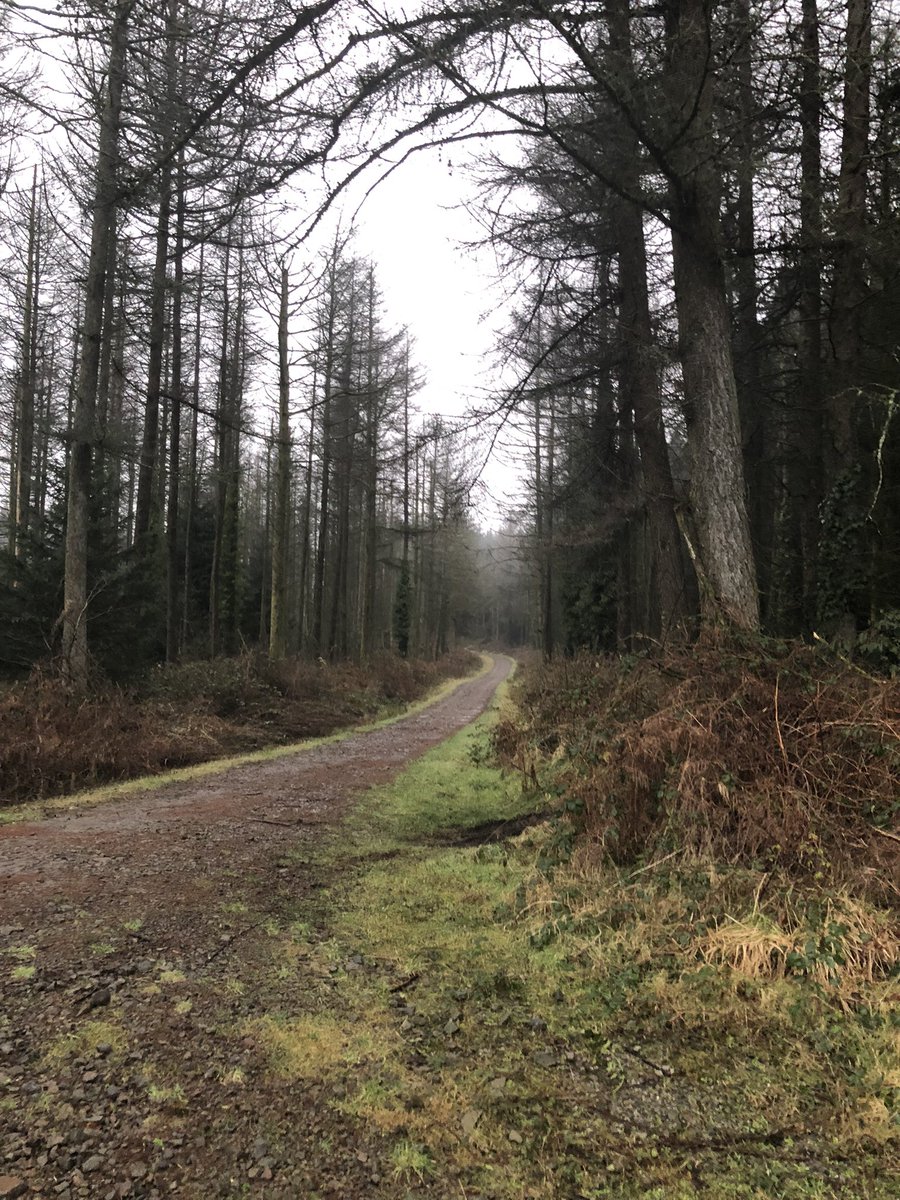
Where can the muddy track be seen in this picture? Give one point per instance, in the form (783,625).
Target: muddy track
(139,922)
(237,812)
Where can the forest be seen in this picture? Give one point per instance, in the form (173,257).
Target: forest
(211,438)
(366,834)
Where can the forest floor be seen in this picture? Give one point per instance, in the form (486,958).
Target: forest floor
(309,977)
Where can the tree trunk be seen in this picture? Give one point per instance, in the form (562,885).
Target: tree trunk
(192,460)
(173,590)
(306,525)
(850,284)
(717,479)
(752,401)
(844,557)
(327,437)
(24,426)
(146,494)
(723,547)
(640,380)
(804,449)
(220,467)
(640,377)
(370,530)
(232,464)
(75,606)
(278,615)
(149,468)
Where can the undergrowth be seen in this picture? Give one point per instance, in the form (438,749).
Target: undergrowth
(777,758)
(523,1020)
(178,716)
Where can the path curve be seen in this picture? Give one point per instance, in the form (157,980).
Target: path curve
(171,828)
(136,942)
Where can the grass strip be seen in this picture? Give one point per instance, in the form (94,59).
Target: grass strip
(117,791)
(498,1025)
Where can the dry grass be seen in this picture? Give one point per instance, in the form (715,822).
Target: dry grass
(317,1046)
(777,757)
(52,744)
(854,942)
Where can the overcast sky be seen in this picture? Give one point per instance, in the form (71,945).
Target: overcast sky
(412,226)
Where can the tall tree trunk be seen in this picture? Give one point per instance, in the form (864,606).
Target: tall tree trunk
(278,617)
(640,376)
(44,424)
(547,606)
(337,639)
(115,424)
(75,605)
(147,474)
(538,469)
(192,459)
(723,548)
(232,464)
(370,531)
(146,497)
(403,599)
(306,524)
(220,466)
(850,284)
(844,558)
(24,456)
(176,385)
(323,530)
(804,457)
(752,401)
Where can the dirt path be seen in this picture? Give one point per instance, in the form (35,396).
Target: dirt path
(100,909)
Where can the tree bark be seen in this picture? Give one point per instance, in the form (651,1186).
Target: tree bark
(176,384)
(278,613)
(75,604)
(192,459)
(711,404)
(805,440)
(24,425)
(640,377)
(146,497)
(850,284)
(370,565)
(753,403)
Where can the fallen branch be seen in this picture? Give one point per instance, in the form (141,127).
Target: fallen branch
(885,833)
(220,949)
(405,983)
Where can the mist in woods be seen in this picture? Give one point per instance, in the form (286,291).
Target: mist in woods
(409,794)
(211,433)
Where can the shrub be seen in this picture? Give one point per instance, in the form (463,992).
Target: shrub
(759,754)
(189,713)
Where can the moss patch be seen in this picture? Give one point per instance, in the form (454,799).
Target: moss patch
(320,1046)
(86,1040)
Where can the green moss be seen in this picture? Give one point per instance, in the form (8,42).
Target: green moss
(319,1046)
(22,953)
(572,1041)
(85,1040)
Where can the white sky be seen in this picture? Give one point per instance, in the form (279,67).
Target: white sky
(447,294)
